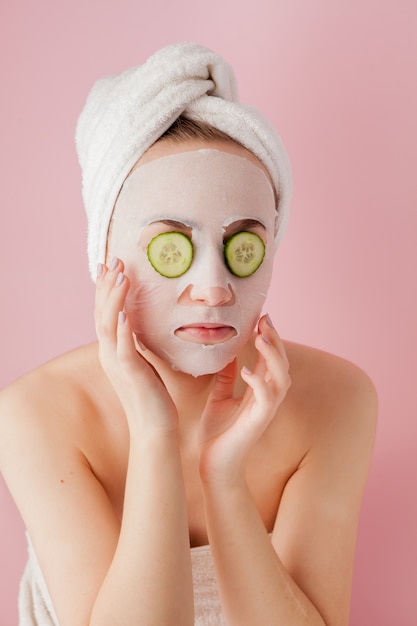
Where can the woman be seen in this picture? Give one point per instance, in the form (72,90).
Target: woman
(179,428)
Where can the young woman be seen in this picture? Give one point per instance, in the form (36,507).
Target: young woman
(190,467)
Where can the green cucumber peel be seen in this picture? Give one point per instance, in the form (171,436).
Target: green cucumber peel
(170,254)
(244,253)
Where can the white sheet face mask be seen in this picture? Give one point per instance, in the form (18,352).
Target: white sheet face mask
(200,320)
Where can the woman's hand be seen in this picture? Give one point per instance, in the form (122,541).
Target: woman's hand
(141,392)
(231,426)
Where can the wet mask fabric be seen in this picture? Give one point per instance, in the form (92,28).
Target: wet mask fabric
(200,320)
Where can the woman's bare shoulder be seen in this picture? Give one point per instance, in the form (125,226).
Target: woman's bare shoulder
(326,385)
(307,362)
(331,413)
(70,371)
(51,393)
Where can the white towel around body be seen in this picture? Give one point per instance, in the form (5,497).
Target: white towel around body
(35,605)
(36,608)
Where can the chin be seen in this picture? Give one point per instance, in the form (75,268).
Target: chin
(202,360)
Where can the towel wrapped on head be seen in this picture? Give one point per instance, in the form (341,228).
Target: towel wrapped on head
(125,114)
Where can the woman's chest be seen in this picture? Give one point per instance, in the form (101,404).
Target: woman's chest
(266,481)
(270,465)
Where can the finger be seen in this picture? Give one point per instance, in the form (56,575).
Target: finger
(126,347)
(259,411)
(224,383)
(260,368)
(260,365)
(106,276)
(261,391)
(110,302)
(106,313)
(267,329)
(276,363)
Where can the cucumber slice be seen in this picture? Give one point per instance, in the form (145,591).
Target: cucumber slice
(244,253)
(170,254)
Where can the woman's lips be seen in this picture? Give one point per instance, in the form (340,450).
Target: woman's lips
(206,333)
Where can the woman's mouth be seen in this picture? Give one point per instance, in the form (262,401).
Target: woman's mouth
(205,333)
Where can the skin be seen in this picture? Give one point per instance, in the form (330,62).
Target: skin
(116,472)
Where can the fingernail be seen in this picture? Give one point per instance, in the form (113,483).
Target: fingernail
(99,270)
(119,279)
(246,370)
(265,338)
(122,317)
(114,263)
(269,321)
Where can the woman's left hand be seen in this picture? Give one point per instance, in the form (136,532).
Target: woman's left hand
(231,426)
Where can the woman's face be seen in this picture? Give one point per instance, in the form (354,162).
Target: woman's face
(200,320)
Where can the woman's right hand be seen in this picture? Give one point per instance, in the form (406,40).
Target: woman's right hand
(140,389)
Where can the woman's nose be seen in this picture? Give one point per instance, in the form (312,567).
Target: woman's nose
(207,295)
(208,282)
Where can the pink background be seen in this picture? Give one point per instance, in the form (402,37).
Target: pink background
(338,79)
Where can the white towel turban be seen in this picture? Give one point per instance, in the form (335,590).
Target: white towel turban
(125,114)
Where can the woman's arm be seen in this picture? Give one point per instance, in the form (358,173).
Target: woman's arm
(98,570)
(149,580)
(302,576)
(150,575)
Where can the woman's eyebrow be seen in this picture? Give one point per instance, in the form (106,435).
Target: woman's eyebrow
(172,223)
(244,224)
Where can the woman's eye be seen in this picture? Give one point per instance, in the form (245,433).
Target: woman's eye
(170,254)
(244,253)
